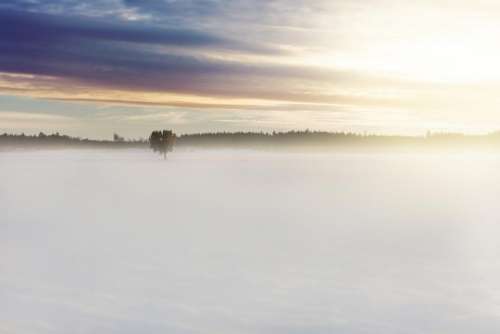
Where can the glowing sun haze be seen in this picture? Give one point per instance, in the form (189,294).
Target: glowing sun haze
(90,68)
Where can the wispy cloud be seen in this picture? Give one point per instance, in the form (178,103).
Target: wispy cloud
(104,53)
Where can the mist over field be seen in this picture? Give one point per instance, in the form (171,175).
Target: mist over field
(248,242)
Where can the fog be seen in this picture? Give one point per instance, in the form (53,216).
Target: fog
(248,242)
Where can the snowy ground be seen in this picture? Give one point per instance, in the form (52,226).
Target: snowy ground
(246,242)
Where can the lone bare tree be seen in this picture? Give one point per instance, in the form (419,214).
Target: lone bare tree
(118,138)
(162,141)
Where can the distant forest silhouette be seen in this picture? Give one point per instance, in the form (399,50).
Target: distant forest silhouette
(261,140)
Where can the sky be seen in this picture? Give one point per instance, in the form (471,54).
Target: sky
(92,68)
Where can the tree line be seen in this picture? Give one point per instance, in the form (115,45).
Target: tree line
(59,140)
(271,140)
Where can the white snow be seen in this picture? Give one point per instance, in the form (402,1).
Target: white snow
(248,242)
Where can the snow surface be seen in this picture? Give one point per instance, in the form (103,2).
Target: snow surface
(248,242)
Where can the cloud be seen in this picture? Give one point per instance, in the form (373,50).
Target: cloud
(67,48)
(28,27)
(141,57)
(129,55)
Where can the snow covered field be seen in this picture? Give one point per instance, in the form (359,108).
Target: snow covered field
(246,242)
